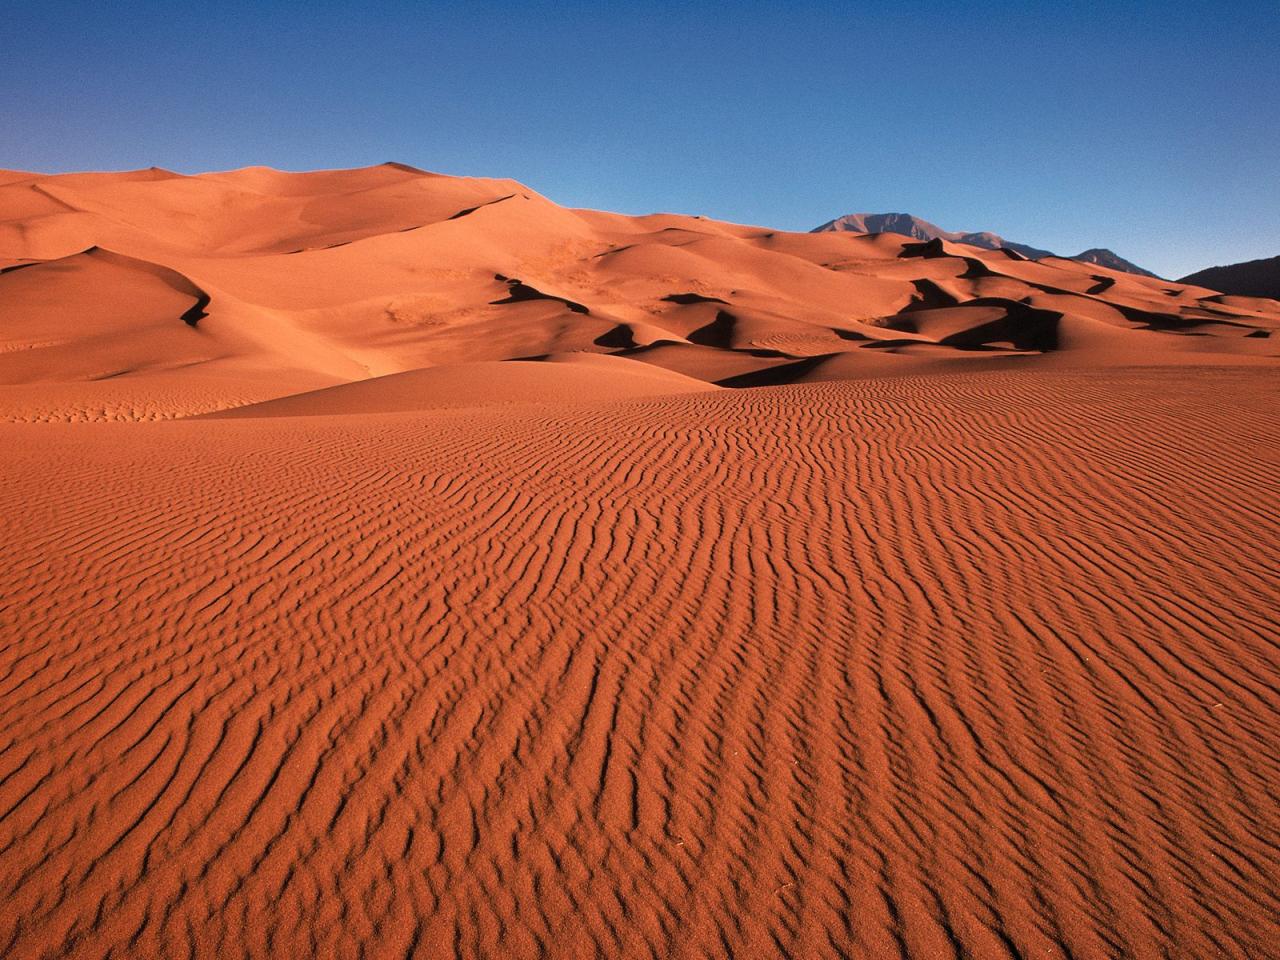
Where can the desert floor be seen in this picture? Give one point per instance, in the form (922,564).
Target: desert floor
(972,665)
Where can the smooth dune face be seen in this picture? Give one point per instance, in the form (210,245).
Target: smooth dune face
(514,581)
(255,284)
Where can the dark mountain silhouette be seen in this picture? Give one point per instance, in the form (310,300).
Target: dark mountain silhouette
(1253,278)
(907,225)
(1107,258)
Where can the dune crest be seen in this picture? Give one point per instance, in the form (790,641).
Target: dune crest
(337,276)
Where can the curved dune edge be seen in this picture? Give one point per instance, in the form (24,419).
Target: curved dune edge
(304,281)
(569,378)
(979,665)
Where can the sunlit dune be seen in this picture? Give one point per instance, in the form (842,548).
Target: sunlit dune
(257,284)
(401,565)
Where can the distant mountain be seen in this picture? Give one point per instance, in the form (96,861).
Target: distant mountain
(907,225)
(1107,258)
(1253,278)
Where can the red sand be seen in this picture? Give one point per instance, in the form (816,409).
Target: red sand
(836,614)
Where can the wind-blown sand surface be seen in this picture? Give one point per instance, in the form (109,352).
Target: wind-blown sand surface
(833,614)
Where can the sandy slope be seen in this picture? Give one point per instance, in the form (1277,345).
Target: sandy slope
(255,284)
(874,599)
(569,378)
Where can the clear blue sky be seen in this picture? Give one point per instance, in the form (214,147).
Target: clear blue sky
(1150,128)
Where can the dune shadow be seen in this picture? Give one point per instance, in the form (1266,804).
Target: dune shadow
(929,296)
(688,298)
(926,249)
(775,376)
(718,333)
(462,213)
(1024,326)
(197,312)
(521,292)
(975,269)
(620,337)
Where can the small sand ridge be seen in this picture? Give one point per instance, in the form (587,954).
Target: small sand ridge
(978,665)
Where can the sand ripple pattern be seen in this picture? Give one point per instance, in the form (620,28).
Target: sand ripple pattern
(958,667)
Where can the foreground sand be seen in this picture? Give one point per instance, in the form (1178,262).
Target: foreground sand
(972,665)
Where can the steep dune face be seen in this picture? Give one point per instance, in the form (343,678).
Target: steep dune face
(314,279)
(520,582)
(97,314)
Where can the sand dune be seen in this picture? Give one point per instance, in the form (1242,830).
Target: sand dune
(569,378)
(512,581)
(308,280)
